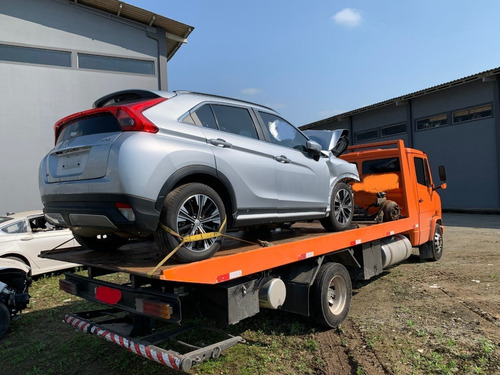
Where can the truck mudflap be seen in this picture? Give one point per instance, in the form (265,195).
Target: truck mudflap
(146,346)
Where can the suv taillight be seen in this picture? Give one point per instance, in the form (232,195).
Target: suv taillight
(129,117)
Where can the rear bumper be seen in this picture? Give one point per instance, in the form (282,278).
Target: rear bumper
(98,211)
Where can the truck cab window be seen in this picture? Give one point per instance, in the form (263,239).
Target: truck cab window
(421,171)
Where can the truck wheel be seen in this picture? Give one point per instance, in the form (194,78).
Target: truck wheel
(433,250)
(101,242)
(191,209)
(4,319)
(330,297)
(342,209)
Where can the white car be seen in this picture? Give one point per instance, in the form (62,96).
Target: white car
(24,235)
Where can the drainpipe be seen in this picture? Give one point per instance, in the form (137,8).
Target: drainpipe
(161,39)
(409,125)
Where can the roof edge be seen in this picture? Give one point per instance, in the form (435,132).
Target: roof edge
(176,32)
(399,99)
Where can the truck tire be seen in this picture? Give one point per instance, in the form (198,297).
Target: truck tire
(433,250)
(330,297)
(341,209)
(191,209)
(101,242)
(4,319)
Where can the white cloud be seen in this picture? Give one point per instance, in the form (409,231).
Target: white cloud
(348,17)
(250,91)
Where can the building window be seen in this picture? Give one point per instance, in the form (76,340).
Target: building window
(35,55)
(473,113)
(432,122)
(116,64)
(366,135)
(387,131)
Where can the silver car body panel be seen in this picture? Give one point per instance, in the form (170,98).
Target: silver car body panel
(268,182)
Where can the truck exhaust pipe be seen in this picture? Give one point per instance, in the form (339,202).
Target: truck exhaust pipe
(395,250)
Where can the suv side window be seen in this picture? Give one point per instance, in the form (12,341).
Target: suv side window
(422,172)
(282,133)
(234,120)
(204,116)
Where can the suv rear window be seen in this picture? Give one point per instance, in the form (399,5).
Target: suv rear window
(95,124)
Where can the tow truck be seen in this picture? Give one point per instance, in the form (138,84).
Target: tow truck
(301,269)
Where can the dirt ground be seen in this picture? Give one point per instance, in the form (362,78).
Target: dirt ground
(427,317)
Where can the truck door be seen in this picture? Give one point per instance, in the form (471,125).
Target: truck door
(426,198)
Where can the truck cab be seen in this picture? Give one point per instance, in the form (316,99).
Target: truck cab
(401,175)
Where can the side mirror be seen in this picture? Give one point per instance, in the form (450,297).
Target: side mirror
(314,148)
(442,173)
(442,177)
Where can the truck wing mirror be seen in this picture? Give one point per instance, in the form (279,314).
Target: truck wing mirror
(442,173)
(442,177)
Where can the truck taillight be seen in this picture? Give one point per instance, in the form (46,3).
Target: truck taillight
(68,286)
(154,308)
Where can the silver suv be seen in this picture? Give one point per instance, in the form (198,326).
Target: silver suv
(142,161)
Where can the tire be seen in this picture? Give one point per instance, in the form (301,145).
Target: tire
(433,250)
(191,209)
(4,319)
(101,242)
(342,209)
(330,297)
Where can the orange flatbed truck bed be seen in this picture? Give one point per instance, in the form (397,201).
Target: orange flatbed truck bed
(305,270)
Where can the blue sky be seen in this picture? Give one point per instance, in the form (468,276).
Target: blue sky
(311,60)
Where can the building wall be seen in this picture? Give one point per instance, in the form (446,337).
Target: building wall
(469,149)
(34,96)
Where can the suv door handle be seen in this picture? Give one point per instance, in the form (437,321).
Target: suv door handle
(282,159)
(219,142)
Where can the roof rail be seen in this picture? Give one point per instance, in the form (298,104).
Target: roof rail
(221,97)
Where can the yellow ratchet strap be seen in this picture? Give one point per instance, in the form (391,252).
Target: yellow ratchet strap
(186,239)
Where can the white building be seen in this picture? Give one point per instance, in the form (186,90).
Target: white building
(56,58)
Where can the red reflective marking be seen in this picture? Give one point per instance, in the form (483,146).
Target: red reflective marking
(108,295)
(223,277)
(171,359)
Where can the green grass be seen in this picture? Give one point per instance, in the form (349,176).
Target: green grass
(276,343)
(40,343)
